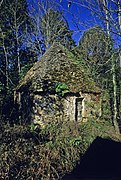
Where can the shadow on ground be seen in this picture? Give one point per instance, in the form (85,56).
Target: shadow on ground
(101,161)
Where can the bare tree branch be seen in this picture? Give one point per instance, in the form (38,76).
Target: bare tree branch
(1,2)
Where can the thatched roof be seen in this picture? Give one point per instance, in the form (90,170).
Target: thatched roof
(58,65)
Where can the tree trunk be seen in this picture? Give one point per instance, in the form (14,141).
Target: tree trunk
(17,42)
(119,16)
(115,108)
(115,116)
(105,5)
(6,61)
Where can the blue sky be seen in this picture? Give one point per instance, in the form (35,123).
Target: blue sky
(76,16)
(84,18)
(79,18)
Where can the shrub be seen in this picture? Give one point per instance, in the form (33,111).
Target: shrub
(28,152)
(40,154)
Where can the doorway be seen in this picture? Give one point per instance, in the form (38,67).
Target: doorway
(78,109)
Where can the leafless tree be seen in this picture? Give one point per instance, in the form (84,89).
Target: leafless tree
(49,25)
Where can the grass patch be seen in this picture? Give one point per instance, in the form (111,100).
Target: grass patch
(33,153)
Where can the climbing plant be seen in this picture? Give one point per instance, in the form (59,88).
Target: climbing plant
(61,89)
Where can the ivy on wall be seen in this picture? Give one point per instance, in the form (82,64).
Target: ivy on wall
(61,89)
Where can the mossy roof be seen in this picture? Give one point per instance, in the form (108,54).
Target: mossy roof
(58,65)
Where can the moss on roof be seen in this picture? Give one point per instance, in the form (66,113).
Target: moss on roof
(58,65)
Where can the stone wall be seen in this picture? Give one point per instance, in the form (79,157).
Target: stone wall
(47,108)
(42,108)
(92,105)
(69,108)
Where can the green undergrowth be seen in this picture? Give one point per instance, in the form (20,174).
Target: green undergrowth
(28,152)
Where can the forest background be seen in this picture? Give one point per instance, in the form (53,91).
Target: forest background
(91,30)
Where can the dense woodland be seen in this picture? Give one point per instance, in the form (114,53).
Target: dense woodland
(27,30)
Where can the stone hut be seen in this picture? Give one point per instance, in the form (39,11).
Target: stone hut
(57,88)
